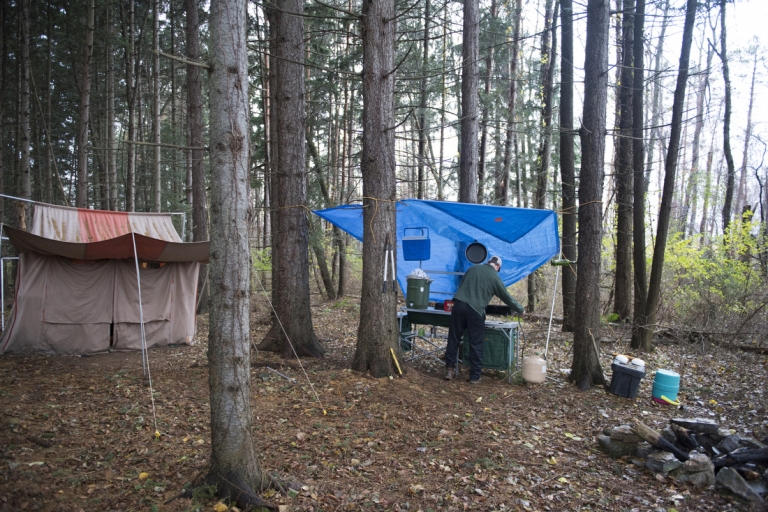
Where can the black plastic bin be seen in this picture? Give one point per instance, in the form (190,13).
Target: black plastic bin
(626,380)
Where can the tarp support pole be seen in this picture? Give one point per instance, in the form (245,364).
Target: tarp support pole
(552,310)
(144,360)
(2,279)
(144,354)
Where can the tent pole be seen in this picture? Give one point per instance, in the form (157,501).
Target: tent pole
(144,360)
(2,278)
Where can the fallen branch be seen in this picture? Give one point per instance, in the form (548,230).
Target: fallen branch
(650,435)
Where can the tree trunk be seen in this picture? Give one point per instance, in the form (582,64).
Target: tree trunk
(502,186)
(639,185)
(378,332)
(2,110)
(544,157)
(729,184)
(292,333)
(443,100)
(422,123)
(195,120)
(622,297)
(157,188)
(130,92)
(48,196)
(469,103)
(234,465)
(700,96)
(483,155)
(656,101)
(84,110)
(741,198)
(707,195)
(567,166)
(585,369)
(315,237)
(547,76)
(654,287)
(25,133)
(111,145)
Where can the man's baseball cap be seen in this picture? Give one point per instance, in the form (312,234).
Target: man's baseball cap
(495,260)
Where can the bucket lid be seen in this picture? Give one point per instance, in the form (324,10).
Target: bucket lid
(668,373)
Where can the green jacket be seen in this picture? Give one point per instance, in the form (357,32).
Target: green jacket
(479,285)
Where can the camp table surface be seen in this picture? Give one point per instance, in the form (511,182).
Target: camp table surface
(439,318)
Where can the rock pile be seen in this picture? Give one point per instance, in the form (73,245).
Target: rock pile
(706,455)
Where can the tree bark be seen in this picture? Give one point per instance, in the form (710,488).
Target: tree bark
(700,95)
(422,123)
(639,185)
(548,56)
(157,188)
(741,197)
(656,94)
(443,100)
(469,103)
(111,144)
(25,132)
(130,93)
(2,105)
(729,183)
(292,333)
(654,287)
(585,369)
(502,186)
(378,332)
(622,297)
(84,110)
(567,166)
(234,465)
(547,77)
(195,133)
(487,79)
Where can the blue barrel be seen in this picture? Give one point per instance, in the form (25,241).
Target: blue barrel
(667,383)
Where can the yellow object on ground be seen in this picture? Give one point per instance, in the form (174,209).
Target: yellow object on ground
(394,357)
(670,402)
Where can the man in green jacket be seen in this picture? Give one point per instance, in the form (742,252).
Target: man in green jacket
(478,286)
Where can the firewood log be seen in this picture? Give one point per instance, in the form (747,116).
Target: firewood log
(648,434)
(737,457)
(685,438)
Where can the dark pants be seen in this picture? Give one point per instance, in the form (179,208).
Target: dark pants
(464,318)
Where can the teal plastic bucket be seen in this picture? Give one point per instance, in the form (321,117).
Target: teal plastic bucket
(666,383)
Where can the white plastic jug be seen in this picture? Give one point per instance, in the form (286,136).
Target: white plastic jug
(534,369)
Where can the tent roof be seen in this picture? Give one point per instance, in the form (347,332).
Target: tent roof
(121,247)
(524,238)
(84,225)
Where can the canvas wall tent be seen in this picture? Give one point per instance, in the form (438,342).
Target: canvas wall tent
(524,238)
(77,290)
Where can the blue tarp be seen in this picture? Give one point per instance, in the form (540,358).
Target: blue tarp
(524,238)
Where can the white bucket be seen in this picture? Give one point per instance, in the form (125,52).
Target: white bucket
(534,369)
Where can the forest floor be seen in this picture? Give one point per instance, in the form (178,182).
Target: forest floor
(76,432)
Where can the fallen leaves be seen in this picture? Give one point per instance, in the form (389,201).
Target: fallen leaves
(382,444)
